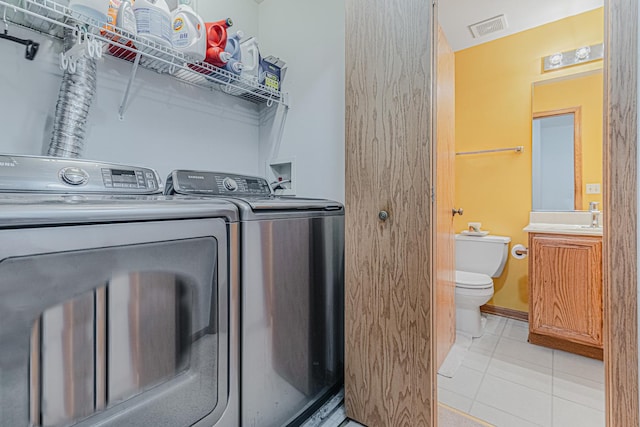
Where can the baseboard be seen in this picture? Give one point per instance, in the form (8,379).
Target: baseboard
(565,345)
(505,312)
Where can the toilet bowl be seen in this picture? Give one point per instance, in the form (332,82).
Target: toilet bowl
(472,291)
(478,259)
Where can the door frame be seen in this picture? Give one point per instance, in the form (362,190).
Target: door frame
(620,166)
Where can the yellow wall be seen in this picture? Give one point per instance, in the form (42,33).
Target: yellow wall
(493,110)
(585,91)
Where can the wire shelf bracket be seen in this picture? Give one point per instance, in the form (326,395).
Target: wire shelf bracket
(127,91)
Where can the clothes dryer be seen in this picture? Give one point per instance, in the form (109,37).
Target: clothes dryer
(292,295)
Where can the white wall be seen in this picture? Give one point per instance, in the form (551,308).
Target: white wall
(309,35)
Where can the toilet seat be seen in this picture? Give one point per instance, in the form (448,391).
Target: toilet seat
(468,280)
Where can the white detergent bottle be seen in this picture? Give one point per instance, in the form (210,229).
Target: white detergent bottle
(251,61)
(153,20)
(121,17)
(189,33)
(126,19)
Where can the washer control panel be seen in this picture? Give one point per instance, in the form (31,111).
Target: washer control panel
(61,175)
(129,179)
(216,183)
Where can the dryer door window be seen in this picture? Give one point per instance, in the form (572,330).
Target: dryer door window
(131,334)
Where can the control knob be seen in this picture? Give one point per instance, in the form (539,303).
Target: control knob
(74,176)
(230,184)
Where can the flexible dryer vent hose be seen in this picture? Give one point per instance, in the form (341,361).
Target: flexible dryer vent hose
(74,100)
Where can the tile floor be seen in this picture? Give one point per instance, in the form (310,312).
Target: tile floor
(508,382)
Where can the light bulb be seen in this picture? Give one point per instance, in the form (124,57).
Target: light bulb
(555,59)
(582,53)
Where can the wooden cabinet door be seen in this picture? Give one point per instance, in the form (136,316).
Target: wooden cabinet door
(389,348)
(565,276)
(445,180)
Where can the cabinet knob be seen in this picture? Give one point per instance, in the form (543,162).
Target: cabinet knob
(383,215)
(459,211)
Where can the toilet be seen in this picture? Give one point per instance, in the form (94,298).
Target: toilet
(478,259)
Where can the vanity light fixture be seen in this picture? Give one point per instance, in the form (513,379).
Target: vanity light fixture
(580,55)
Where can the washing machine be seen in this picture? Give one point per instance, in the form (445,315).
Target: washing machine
(292,295)
(119,305)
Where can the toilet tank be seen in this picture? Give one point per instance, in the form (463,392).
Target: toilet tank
(486,255)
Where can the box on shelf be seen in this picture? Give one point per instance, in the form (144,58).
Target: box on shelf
(275,70)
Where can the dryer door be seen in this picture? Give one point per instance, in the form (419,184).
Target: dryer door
(115,324)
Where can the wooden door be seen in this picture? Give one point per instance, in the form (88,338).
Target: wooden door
(620,205)
(445,190)
(389,372)
(565,295)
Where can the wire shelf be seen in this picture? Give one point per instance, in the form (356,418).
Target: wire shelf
(50,17)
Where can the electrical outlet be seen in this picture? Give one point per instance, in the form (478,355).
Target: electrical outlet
(593,188)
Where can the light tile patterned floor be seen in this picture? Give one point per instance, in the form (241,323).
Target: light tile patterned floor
(508,382)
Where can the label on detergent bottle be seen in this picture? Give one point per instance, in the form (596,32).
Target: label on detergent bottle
(153,23)
(180,32)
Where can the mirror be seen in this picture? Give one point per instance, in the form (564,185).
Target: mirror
(556,171)
(566,143)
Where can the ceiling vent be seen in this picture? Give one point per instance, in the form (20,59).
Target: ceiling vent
(488,26)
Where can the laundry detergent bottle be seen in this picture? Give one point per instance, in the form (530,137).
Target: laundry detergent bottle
(217,42)
(189,34)
(121,19)
(252,69)
(153,20)
(234,65)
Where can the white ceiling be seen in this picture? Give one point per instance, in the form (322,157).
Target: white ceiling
(456,15)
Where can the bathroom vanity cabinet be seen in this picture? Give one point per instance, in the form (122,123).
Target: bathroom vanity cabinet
(565,292)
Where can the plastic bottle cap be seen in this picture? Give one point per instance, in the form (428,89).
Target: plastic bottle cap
(225,56)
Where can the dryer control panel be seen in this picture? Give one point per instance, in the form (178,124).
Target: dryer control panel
(61,175)
(216,184)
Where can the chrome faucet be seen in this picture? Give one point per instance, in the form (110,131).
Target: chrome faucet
(595,214)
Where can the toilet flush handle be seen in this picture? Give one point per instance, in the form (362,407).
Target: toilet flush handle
(459,211)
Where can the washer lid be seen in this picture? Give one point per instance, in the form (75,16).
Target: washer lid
(288,203)
(465,279)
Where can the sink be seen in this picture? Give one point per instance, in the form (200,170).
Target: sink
(581,229)
(578,222)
